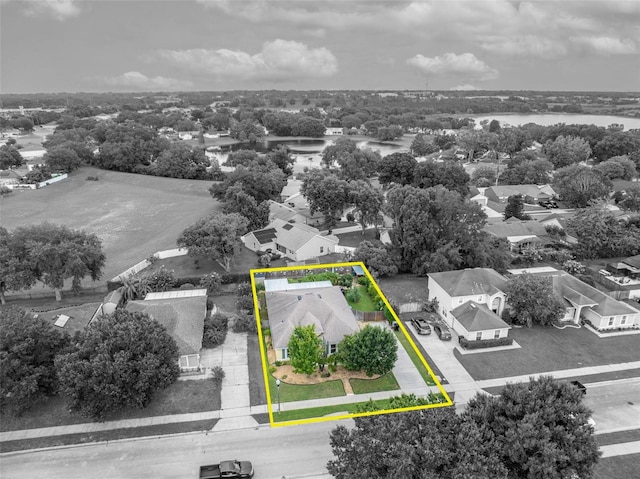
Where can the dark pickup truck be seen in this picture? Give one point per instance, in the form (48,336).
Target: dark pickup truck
(227,470)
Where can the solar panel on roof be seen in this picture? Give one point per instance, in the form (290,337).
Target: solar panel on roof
(265,236)
(287,227)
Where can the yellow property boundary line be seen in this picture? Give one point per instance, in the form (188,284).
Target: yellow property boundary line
(256,305)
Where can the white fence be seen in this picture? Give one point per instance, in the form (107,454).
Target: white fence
(410,308)
(55,179)
(170,253)
(345,249)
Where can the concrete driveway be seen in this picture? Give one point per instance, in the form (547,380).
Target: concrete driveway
(441,352)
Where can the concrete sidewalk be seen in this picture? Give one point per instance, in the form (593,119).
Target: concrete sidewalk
(621,449)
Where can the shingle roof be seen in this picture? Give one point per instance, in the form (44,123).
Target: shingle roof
(325,308)
(470,281)
(569,287)
(516,228)
(633,261)
(183,318)
(477,317)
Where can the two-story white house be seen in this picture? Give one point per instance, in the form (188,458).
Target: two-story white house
(471,302)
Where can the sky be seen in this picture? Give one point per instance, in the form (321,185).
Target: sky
(220,45)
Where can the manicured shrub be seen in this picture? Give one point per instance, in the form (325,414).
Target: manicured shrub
(215,330)
(217,374)
(245,323)
(485,343)
(353,295)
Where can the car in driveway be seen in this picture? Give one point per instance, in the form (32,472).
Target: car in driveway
(581,387)
(443,331)
(421,325)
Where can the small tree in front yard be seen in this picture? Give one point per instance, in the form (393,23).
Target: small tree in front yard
(532,300)
(353,295)
(373,350)
(305,348)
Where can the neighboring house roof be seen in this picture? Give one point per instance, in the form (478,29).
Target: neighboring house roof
(183,318)
(470,281)
(534,191)
(477,317)
(510,228)
(325,308)
(182,293)
(282,212)
(580,293)
(633,261)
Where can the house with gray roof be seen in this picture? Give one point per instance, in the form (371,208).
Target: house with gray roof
(323,307)
(183,316)
(531,193)
(519,233)
(471,301)
(296,241)
(600,309)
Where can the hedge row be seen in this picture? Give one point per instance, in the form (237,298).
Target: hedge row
(485,343)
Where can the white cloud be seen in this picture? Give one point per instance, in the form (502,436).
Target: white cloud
(465,64)
(529,45)
(608,45)
(465,87)
(58,9)
(139,81)
(278,60)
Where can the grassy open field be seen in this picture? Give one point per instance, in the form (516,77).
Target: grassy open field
(545,349)
(134,215)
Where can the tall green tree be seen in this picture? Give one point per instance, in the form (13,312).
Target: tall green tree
(304,348)
(368,202)
(216,236)
(51,254)
(397,168)
(495,438)
(449,174)
(373,350)
(565,151)
(10,157)
(533,301)
(61,159)
(120,361)
(182,161)
(376,257)
(580,185)
(28,346)
(325,193)
(237,201)
(541,415)
(515,208)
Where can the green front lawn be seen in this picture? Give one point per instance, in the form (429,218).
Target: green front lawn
(383,383)
(181,397)
(315,412)
(303,392)
(415,359)
(546,349)
(365,303)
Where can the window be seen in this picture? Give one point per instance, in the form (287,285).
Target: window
(611,321)
(496,334)
(623,320)
(478,335)
(460,301)
(282,249)
(322,249)
(285,353)
(333,348)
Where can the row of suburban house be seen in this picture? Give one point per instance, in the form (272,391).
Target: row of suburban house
(471,301)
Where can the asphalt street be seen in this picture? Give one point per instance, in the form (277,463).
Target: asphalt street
(292,452)
(615,405)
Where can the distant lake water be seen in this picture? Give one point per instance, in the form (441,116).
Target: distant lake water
(567,118)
